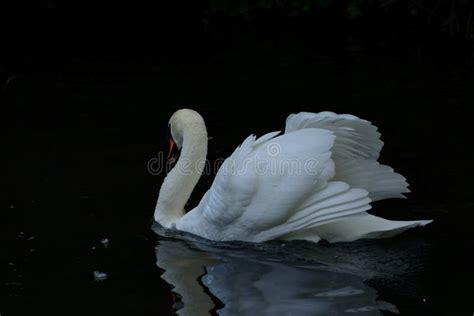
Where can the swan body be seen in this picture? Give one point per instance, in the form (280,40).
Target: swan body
(315,181)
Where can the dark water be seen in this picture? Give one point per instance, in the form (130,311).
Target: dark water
(77,199)
(278,278)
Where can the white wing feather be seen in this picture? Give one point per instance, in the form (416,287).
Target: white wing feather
(248,203)
(356,150)
(355,138)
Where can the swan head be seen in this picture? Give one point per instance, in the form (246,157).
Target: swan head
(182,121)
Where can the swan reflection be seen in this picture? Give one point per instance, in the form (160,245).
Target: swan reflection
(242,281)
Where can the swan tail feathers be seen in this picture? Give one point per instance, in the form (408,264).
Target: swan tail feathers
(365,226)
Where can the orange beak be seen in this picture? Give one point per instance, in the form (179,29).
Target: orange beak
(170,150)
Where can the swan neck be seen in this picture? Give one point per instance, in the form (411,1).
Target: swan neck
(181,180)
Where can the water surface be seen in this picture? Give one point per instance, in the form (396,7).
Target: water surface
(77,146)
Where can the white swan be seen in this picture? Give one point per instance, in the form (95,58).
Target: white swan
(314,181)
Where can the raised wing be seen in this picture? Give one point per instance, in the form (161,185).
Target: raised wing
(355,137)
(356,149)
(272,186)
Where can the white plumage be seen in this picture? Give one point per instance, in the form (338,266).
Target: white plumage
(314,181)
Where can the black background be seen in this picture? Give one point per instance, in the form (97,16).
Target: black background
(87,90)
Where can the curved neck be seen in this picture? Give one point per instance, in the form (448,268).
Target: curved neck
(181,180)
